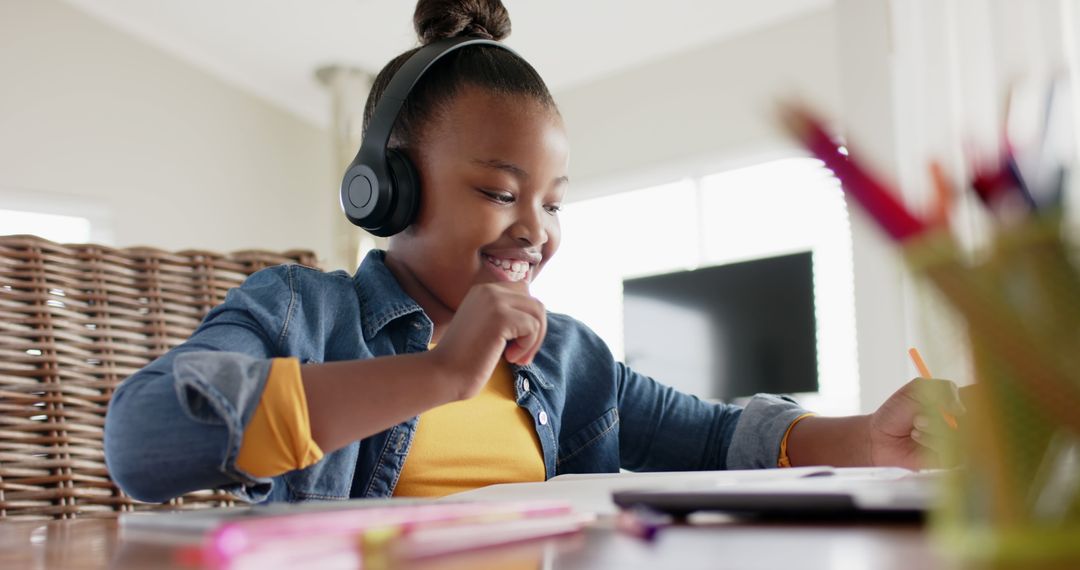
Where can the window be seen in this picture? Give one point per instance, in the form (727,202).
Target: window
(54,227)
(58,217)
(770,209)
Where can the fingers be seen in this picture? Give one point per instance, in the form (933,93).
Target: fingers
(934,426)
(505,309)
(934,393)
(526,328)
(540,313)
(935,452)
(521,287)
(943,395)
(932,452)
(939,440)
(933,433)
(522,320)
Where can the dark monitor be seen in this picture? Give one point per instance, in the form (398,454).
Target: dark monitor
(727,331)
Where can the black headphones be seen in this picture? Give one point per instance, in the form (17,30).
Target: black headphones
(381,189)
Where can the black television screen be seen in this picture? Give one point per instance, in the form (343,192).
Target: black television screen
(727,331)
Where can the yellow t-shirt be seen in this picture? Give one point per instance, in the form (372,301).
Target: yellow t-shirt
(481,441)
(278,436)
(458,446)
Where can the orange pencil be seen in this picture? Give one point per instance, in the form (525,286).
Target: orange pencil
(939,213)
(924,371)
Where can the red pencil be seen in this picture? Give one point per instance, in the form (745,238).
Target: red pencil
(872,195)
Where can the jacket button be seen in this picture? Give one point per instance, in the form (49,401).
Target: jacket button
(543,418)
(525,384)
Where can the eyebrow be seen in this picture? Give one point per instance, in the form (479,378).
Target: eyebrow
(512,169)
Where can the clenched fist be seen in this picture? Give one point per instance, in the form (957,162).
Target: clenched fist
(494,320)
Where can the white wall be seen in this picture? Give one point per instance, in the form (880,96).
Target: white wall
(168,155)
(686,114)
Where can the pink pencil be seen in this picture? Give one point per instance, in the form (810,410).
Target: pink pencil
(336,532)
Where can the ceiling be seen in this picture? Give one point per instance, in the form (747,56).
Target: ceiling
(272,47)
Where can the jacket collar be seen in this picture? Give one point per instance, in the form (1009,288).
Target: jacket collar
(382,299)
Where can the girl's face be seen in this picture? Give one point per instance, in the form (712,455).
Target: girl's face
(493,173)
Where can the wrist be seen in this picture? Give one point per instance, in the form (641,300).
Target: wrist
(438,379)
(837,441)
(862,436)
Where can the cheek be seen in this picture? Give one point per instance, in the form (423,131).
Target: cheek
(439,222)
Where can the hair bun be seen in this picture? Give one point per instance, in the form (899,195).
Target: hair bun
(436,20)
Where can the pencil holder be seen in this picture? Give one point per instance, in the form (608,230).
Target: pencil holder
(1015,500)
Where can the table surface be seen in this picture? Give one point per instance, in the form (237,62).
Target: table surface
(718,543)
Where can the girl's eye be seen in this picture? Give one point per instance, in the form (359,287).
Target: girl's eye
(553,209)
(500,197)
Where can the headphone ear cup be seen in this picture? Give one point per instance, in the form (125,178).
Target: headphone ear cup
(406,194)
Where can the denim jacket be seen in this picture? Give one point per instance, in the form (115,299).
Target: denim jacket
(176,425)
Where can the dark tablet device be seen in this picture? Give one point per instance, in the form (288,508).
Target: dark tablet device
(827,497)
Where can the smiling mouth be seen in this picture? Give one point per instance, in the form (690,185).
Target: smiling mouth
(512,269)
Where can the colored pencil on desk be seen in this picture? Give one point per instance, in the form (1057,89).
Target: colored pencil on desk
(337,531)
(424,541)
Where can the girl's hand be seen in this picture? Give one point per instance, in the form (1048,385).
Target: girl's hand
(910,425)
(494,319)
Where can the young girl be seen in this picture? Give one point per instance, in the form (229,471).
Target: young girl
(432,370)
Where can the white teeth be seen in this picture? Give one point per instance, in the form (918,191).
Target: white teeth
(515,270)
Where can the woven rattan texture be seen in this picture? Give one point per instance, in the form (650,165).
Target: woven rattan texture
(75,320)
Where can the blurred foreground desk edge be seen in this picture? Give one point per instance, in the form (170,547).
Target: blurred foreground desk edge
(95,543)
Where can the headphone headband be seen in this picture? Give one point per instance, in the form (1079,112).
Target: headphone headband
(389,106)
(367,192)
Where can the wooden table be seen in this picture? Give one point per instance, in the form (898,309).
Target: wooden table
(718,543)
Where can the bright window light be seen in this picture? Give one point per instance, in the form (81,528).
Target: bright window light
(770,209)
(62,229)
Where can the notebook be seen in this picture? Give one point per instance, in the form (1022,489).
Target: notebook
(800,490)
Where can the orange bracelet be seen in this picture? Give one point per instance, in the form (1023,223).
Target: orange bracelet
(784,461)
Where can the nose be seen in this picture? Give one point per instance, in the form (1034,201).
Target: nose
(529,228)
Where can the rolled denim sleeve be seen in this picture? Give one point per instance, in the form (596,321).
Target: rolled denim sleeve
(762,425)
(177,425)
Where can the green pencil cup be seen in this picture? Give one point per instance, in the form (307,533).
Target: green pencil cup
(1014,502)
